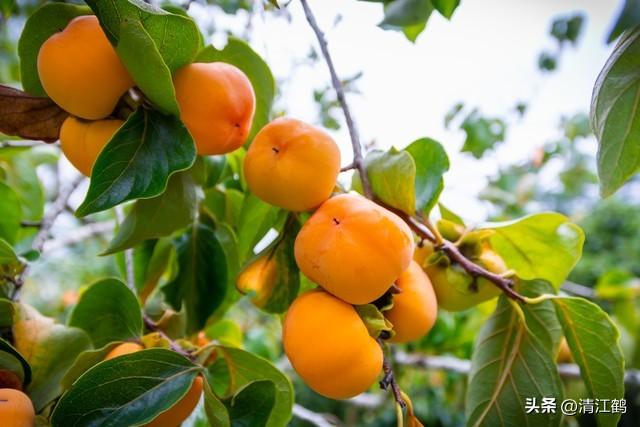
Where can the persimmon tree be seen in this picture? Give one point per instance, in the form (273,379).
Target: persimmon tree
(214,198)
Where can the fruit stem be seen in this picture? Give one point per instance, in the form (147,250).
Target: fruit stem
(388,380)
(153,327)
(358,159)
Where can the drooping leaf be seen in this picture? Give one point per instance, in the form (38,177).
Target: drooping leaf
(510,364)
(141,57)
(272,278)
(542,246)
(176,37)
(240,54)
(10,213)
(108,311)
(130,390)
(159,216)
(431,163)
(201,283)
(615,114)
(252,404)
(629,17)
(49,348)
(42,24)
(28,116)
(138,161)
(245,368)
(13,361)
(392,176)
(595,346)
(446,7)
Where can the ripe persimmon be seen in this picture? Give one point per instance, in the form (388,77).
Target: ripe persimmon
(16,409)
(217,104)
(80,70)
(122,349)
(354,248)
(415,308)
(329,346)
(292,164)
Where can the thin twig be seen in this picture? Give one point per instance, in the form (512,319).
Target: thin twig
(47,222)
(388,380)
(358,159)
(348,167)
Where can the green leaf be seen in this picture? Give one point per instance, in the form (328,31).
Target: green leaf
(46,21)
(217,413)
(13,361)
(256,218)
(130,390)
(108,311)
(595,346)
(482,133)
(272,278)
(22,177)
(240,54)
(85,361)
(431,163)
(176,37)
(629,17)
(138,161)
(49,348)
(409,16)
(160,216)
(392,175)
(245,368)
(10,213)
(252,404)
(374,320)
(511,363)
(541,246)
(7,254)
(446,7)
(449,215)
(201,282)
(615,114)
(141,57)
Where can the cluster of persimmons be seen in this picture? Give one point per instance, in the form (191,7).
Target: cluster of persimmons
(354,249)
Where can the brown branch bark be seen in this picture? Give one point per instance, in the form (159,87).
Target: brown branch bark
(358,159)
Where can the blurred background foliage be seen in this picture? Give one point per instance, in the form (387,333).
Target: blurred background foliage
(559,175)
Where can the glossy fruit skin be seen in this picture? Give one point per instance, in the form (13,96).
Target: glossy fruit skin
(16,409)
(292,164)
(82,141)
(122,349)
(415,308)
(329,346)
(80,70)
(179,412)
(217,104)
(353,248)
(453,285)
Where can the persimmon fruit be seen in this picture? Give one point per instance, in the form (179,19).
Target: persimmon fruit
(82,141)
(217,104)
(329,346)
(354,248)
(292,164)
(415,308)
(16,409)
(122,349)
(259,278)
(456,290)
(80,71)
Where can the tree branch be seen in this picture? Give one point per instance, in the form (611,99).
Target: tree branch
(358,159)
(153,327)
(462,366)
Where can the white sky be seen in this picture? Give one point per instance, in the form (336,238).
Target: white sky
(485,56)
